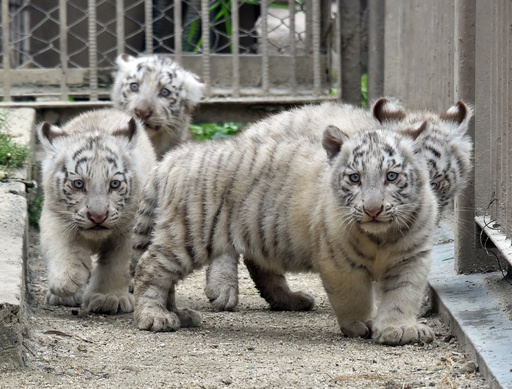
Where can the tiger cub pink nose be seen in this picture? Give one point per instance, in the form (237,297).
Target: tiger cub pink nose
(144,115)
(97,218)
(373,212)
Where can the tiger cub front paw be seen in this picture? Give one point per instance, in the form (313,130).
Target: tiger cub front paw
(404,334)
(109,303)
(68,282)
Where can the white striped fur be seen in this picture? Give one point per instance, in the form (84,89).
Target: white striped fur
(444,146)
(93,174)
(360,213)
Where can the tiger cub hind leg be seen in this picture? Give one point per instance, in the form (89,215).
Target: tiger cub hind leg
(222,283)
(275,290)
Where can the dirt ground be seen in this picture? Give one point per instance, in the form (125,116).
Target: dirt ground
(249,348)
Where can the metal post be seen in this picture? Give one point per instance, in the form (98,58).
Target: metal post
(350,15)
(466,239)
(376,11)
(7,51)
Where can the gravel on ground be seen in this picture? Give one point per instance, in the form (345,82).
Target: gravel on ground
(252,347)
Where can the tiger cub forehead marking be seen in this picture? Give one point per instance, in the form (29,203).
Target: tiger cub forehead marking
(377,149)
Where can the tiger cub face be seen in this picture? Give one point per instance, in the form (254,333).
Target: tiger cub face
(377,178)
(89,174)
(445,146)
(160,93)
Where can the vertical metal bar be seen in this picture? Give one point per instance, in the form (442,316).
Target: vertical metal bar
(235,44)
(499,123)
(178,35)
(317,81)
(7,51)
(93,52)
(492,110)
(205,22)
(376,49)
(120,26)
(148,21)
(264,48)
(309,24)
(63,42)
(466,243)
(502,106)
(338,52)
(506,117)
(484,144)
(350,12)
(293,48)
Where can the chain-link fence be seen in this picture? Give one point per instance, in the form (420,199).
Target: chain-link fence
(58,52)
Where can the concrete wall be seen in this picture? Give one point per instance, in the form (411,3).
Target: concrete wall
(19,124)
(437,52)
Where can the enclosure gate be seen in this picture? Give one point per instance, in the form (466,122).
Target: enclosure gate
(61,53)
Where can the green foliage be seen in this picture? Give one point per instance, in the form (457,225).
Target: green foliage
(35,205)
(364,90)
(12,155)
(214,130)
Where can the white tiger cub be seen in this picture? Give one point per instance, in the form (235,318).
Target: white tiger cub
(93,174)
(445,146)
(161,93)
(361,213)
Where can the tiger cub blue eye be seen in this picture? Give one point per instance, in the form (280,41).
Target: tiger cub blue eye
(134,87)
(115,184)
(78,184)
(165,92)
(355,178)
(392,176)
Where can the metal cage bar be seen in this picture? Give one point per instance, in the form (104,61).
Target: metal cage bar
(120,38)
(178,36)
(6,47)
(272,59)
(205,22)
(264,49)
(93,52)
(63,40)
(235,47)
(293,48)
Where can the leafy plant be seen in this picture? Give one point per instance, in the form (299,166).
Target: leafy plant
(12,155)
(214,130)
(35,205)
(364,90)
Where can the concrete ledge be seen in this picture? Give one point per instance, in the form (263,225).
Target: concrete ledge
(478,314)
(13,247)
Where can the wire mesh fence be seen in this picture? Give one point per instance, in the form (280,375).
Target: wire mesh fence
(64,51)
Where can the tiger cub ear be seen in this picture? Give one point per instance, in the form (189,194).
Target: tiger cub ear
(132,128)
(123,59)
(332,140)
(194,88)
(50,135)
(458,117)
(385,111)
